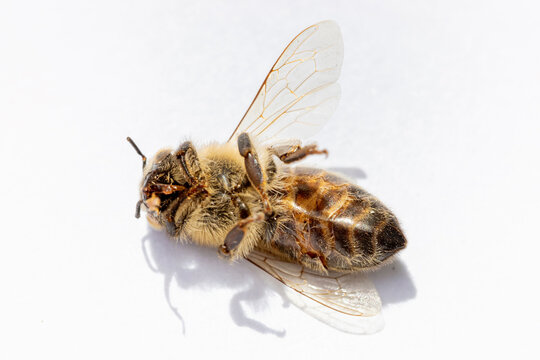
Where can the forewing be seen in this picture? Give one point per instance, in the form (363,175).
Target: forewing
(300,92)
(348,302)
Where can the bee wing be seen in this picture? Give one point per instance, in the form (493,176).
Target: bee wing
(348,302)
(300,92)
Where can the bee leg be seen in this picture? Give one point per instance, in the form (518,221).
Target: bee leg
(187,156)
(254,170)
(237,233)
(289,154)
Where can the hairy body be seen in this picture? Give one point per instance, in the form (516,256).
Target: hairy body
(317,219)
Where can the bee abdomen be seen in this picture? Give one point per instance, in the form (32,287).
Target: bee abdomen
(366,232)
(338,223)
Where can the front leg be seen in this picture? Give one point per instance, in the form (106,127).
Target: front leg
(294,152)
(188,159)
(254,170)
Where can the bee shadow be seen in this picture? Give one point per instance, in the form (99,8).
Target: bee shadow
(189,266)
(351,172)
(394,283)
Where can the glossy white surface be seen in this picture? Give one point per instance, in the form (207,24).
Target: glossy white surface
(439,117)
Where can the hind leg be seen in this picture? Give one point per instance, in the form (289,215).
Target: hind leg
(289,153)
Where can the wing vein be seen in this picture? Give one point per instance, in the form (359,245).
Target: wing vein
(308,65)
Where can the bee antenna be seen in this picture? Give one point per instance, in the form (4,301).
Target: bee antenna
(138,209)
(138,151)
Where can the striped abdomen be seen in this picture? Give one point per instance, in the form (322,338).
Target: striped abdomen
(334,224)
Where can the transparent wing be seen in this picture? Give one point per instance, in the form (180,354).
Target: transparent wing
(300,93)
(348,302)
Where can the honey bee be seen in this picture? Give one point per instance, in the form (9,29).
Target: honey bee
(309,228)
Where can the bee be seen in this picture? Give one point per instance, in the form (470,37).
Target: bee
(309,228)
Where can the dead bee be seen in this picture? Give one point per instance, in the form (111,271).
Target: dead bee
(241,197)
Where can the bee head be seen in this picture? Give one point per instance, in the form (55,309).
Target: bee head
(163,181)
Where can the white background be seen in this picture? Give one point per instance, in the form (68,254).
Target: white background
(439,118)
